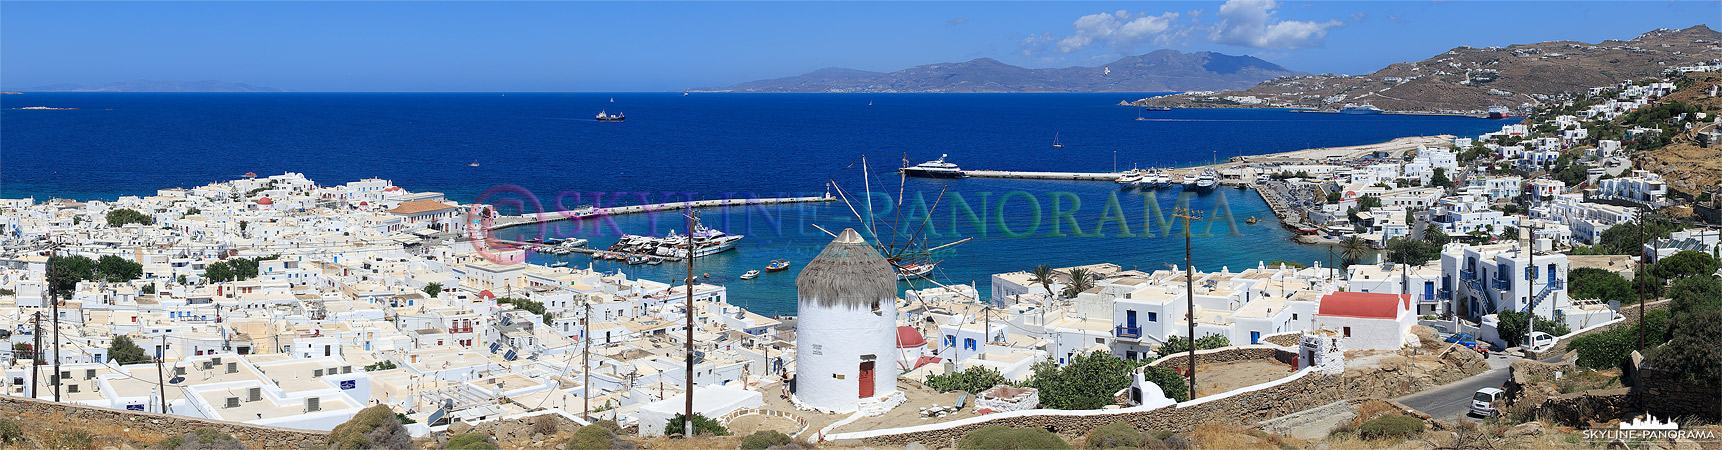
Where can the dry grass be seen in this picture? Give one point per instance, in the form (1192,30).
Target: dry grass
(1228,436)
(698,443)
(1372,409)
(42,430)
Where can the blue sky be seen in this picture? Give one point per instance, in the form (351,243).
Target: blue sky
(657,46)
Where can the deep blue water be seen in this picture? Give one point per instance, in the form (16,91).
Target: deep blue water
(709,145)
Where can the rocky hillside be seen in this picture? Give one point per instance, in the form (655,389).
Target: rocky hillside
(1470,80)
(1159,71)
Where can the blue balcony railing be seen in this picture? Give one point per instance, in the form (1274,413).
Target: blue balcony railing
(1127,332)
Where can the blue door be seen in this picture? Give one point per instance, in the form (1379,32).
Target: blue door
(1255,337)
(1428,290)
(1130,318)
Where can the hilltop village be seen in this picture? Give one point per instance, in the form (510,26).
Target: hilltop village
(278,301)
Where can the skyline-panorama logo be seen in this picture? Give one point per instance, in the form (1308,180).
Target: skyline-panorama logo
(1648,427)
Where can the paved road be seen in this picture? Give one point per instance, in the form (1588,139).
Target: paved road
(1452,401)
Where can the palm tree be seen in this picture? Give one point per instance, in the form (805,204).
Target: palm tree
(1080,280)
(1043,276)
(1352,250)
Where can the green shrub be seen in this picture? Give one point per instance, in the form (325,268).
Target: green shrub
(71,440)
(545,424)
(974,380)
(1005,438)
(208,435)
(10,433)
(1115,435)
(1391,426)
(375,427)
(591,437)
(703,426)
(470,441)
(761,440)
(170,443)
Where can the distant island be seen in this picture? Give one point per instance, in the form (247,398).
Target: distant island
(1159,71)
(154,86)
(1470,80)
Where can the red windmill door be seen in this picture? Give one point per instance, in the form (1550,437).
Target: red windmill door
(866,379)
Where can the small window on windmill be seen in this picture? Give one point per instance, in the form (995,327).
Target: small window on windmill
(232,367)
(876,309)
(232,402)
(313,404)
(254,394)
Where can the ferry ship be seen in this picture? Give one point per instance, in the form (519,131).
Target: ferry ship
(937,168)
(617,117)
(1363,109)
(1499,112)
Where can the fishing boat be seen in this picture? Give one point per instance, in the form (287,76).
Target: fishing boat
(1055,143)
(559,264)
(653,260)
(777,265)
(937,168)
(636,260)
(751,274)
(913,270)
(603,116)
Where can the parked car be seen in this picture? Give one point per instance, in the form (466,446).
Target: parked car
(1537,341)
(1483,402)
(1469,342)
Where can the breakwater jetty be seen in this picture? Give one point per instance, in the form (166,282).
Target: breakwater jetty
(1074,176)
(581,250)
(534,218)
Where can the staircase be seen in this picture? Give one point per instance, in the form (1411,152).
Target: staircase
(1550,288)
(1476,287)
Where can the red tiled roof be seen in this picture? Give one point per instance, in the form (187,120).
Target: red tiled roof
(1363,305)
(908,337)
(486,294)
(925,360)
(265,201)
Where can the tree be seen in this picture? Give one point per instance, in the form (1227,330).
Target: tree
(1695,353)
(1179,344)
(1512,326)
(218,272)
(1440,178)
(1080,280)
(123,216)
(1366,202)
(1694,295)
(433,289)
(1175,386)
(1434,236)
(1593,283)
(1087,382)
(123,351)
(1405,250)
(1334,197)
(1684,264)
(1043,276)
(702,426)
(1352,250)
(64,273)
(973,380)
(116,269)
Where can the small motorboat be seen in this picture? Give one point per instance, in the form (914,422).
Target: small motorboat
(559,264)
(751,274)
(777,265)
(474,164)
(636,259)
(653,260)
(1251,221)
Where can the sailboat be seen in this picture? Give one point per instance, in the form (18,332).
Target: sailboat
(1055,143)
(474,164)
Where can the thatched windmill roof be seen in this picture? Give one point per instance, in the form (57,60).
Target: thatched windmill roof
(849,272)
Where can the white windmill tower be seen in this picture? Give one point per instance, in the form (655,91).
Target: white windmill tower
(846,329)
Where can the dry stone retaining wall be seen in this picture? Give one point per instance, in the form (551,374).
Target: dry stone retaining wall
(1306,391)
(254,436)
(1226,355)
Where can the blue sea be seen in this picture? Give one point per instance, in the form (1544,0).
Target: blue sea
(547,149)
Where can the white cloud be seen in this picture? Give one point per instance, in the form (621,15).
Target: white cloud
(1251,23)
(956,21)
(1121,30)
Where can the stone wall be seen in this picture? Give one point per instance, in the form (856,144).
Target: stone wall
(1580,409)
(254,436)
(1245,408)
(1180,362)
(1663,394)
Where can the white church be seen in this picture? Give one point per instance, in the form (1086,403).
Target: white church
(846,331)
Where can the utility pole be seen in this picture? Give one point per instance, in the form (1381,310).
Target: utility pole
(688,413)
(1531,279)
(1189,290)
(36,358)
(1642,237)
(54,297)
(161,375)
(586,361)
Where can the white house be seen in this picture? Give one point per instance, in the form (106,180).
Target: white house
(1367,321)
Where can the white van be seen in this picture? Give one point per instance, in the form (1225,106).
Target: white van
(1537,341)
(1483,402)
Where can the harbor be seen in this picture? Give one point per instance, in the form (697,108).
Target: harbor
(554,216)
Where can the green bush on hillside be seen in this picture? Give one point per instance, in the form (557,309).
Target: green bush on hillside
(1006,438)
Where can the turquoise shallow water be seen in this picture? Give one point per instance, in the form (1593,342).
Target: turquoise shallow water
(547,146)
